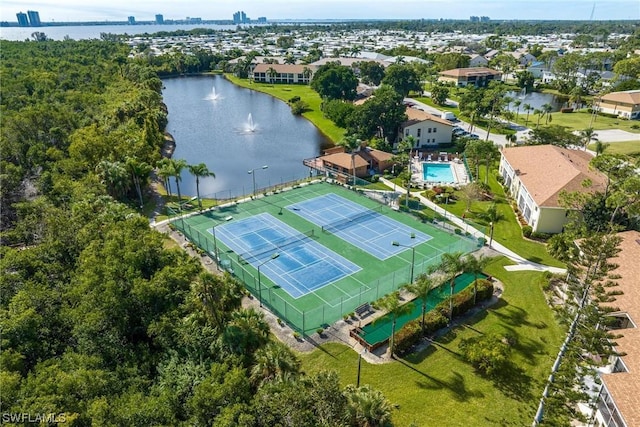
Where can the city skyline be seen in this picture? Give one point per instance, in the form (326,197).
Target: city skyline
(145,10)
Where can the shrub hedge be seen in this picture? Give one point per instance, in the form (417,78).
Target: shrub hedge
(411,333)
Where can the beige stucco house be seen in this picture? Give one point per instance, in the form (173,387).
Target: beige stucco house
(476,76)
(427,129)
(535,176)
(625,104)
(281,73)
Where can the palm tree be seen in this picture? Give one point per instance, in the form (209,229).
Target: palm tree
(164,172)
(307,73)
(176,166)
(114,176)
(392,305)
(528,109)
(272,73)
(246,332)
(367,407)
(538,113)
(517,103)
(491,216)
(451,264)
(200,171)
(588,135)
(547,109)
(219,295)
(352,145)
(475,266)
(423,285)
(139,172)
(600,147)
(274,361)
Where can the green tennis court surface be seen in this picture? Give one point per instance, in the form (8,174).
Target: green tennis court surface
(379,330)
(314,307)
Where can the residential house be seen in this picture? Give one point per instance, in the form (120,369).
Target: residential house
(477,61)
(537,68)
(427,129)
(366,160)
(618,402)
(523,58)
(491,54)
(535,175)
(625,104)
(281,73)
(477,76)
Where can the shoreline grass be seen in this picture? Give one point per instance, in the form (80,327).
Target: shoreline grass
(284,92)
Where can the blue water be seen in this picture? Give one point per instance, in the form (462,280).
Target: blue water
(435,172)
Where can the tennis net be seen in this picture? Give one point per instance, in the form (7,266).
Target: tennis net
(346,222)
(273,246)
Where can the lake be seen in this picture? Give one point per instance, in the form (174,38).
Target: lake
(535,100)
(209,117)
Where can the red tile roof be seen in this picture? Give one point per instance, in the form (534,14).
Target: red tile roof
(547,170)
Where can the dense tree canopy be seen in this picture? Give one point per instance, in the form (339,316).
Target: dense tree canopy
(334,81)
(100,321)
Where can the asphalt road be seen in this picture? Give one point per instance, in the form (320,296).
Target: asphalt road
(609,135)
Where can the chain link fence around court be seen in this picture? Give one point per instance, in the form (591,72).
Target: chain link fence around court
(306,322)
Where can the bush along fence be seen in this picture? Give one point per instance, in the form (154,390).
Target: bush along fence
(412,333)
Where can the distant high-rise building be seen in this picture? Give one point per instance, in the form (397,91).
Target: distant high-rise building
(474,19)
(485,19)
(240,18)
(131,20)
(34,18)
(262,20)
(159,19)
(23,21)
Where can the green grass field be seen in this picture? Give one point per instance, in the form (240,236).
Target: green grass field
(285,92)
(436,387)
(628,148)
(329,303)
(506,231)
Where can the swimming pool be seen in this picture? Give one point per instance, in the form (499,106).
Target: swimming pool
(437,172)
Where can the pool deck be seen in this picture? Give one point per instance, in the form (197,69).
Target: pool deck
(458,171)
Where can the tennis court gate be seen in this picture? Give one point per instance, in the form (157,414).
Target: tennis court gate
(308,321)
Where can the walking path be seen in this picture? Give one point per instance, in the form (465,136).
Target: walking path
(522,263)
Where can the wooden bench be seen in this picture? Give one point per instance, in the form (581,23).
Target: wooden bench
(363,309)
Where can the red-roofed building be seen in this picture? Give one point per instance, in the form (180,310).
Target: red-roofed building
(535,175)
(619,397)
(367,161)
(625,104)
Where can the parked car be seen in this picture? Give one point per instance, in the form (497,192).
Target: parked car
(473,136)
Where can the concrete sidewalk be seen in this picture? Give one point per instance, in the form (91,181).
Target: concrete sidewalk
(522,264)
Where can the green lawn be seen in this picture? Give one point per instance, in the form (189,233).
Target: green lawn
(507,231)
(436,387)
(581,120)
(629,148)
(308,95)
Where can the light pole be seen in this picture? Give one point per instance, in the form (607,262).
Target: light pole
(364,351)
(490,233)
(413,255)
(253,173)
(215,247)
(274,256)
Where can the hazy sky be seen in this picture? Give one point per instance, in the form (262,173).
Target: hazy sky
(118,10)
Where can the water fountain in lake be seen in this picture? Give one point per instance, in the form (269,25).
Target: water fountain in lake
(251,126)
(213,96)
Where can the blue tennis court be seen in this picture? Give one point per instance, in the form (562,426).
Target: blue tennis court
(290,259)
(365,228)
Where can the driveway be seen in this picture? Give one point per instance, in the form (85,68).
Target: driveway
(616,135)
